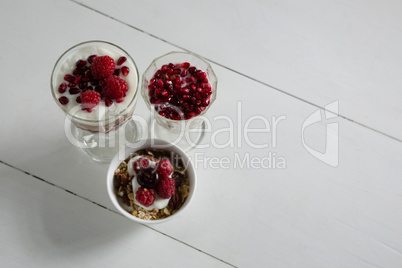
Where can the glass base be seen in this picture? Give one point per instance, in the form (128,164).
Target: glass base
(186,140)
(102,147)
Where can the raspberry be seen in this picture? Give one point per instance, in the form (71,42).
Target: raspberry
(89,99)
(115,87)
(140,163)
(166,187)
(102,67)
(145,196)
(164,168)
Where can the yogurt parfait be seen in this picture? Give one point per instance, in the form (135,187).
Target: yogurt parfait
(95,84)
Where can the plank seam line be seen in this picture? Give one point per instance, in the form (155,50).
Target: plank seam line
(99,205)
(237,72)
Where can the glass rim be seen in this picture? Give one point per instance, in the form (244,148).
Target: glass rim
(150,106)
(79,119)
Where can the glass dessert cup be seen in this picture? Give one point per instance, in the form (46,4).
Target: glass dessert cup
(182,131)
(101,132)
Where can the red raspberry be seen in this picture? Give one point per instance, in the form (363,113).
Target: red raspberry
(166,187)
(102,67)
(115,87)
(140,163)
(89,99)
(164,168)
(145,196)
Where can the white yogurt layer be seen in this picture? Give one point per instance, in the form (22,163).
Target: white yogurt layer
(159,202)
(101,111)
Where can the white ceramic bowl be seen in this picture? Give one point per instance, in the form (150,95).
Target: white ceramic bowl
(149,144)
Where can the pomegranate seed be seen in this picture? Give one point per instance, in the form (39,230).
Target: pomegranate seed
(91,58)
(81,63)
(119,100)
(186,97)
(172,66)
(71,85)
(152,81)
(83,85)
(169,71)
(189,108)
(125,70)
(185,90)
(95,82)
(183,73)
(158,74)
(89,110)
(74,91)
(165,94)
(159,83)
(185,65)
(202,75)
(63,100)
(189,115)
(89,75)
(62,88)
(164,68)
(121,60)
(192,70)
(69,78)
(77,80)
(78,99)
(108,102)
(197,110)
(176,71)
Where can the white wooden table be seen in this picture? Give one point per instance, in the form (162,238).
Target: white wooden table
(333,197)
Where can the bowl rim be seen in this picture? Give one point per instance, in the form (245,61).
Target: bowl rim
(146,143)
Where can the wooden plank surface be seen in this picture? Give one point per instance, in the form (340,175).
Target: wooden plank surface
(317,51)
(303,214)
(45,226)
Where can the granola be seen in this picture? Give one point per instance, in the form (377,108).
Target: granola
(124,187)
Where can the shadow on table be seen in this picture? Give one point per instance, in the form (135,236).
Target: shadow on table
(73,227)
